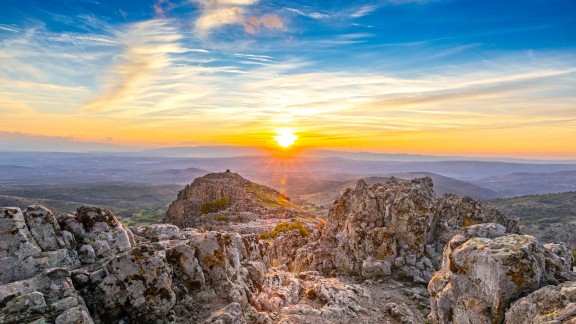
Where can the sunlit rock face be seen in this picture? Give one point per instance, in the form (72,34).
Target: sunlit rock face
(485,269)
(398,229)
(551,304)
(225,201)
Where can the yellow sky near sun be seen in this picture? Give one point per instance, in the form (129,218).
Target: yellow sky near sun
(529,141)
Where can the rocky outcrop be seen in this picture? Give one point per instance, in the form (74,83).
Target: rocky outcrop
(159,274)
(485,269)
(398,228)
(219,200)
(98,231)
(21,255)
(366,263)
(551,304)
(47,297)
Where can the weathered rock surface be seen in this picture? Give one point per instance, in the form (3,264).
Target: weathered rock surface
(484,270)
(49,296)
(21,256)
(367,263)
(551,304)
(398,228)
(161,275)
(226,201)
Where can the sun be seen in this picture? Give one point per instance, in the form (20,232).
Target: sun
(285,137)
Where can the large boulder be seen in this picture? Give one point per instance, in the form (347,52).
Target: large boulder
(397,228)
(47,296)
(137,284)
(44,228)
(99,228)
(481,276)
(21,255)
(551,304)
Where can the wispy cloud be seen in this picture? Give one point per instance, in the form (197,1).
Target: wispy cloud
(81,39)
(364,11)
(313,14)
(218,13)
(162,7)
(148,46)
(10,29)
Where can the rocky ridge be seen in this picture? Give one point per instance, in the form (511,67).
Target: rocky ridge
(368,263)
(226,201)
(396,229)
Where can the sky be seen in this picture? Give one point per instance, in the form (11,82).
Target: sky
(444,77)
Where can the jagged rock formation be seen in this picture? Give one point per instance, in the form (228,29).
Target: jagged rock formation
(367,263)
(551,304)
(397,228)
(21,255)
(162,274)
(485,269)
(226,201)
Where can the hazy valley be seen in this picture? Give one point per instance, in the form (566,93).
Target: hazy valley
(140,187)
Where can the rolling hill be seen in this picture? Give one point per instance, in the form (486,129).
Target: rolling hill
(549,217)
(524,183)
(442,185)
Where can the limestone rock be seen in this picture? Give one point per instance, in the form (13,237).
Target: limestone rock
(87,254)
(366,264)
(74,315)
(21,256)
(372,268)
(161,232)
(398,223)
(565,259)
(43,227)
(551,304)
(217,199)
(17,245)
(138,283)
(48,294)
(99,228)
(481,276)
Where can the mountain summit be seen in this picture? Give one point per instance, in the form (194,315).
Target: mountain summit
(228,198)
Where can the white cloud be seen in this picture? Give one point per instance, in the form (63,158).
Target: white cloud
(364,11)
(11,29)
(314,15)
(218,13)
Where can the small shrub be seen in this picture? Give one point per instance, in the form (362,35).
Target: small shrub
(214,206)
(221,218)
(320,225)
(264,236)
(286,227)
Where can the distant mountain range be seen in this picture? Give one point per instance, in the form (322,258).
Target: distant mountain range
(442,185)
(524,183)
(295,176)
(22,143)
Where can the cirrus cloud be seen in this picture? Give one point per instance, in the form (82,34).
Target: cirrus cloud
(219,13)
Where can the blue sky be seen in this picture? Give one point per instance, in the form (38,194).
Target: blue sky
(413,74)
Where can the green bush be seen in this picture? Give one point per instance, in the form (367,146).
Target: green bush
(214,206)
(285,227)
(264,236)
(221,218)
